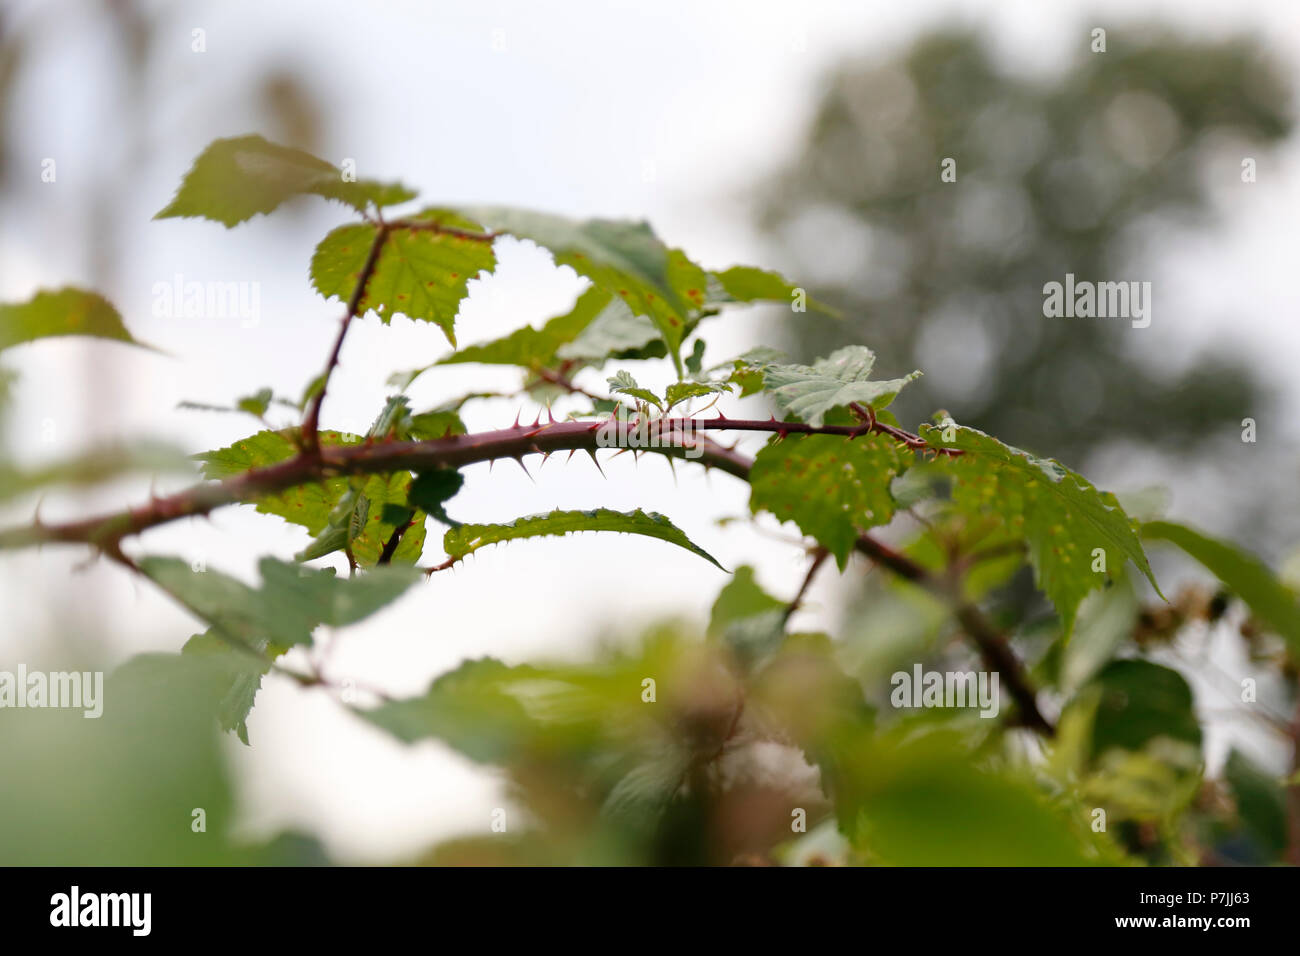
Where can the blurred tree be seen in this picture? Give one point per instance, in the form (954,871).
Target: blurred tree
(1052,177)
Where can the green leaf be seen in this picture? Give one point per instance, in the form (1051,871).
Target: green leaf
(93,467)
(1141,701)
(241,677)
(598,327)
(431,489)
(746,617)
(748,284)
(679,392)
(236,179)
(1261,801)
(429,426)
(1059,514)
(251,627)
(291,602)
(831,487)
(615,331)
(623,383)
(833,382)
(1244,574)
(421,273)
(471,709)
(922,801)
(625,259)
(66,311)
(314,506)
(468,538)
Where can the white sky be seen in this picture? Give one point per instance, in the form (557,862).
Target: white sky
(666,111)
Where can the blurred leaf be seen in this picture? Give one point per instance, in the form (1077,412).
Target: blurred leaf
(1261,801)
(625,259)
(537,348)
(236,179)
(746,617)
(922,801)
(66,311)
(1141,701)
(120,790)
(93,467)
(291,602)
(748,284)
(1244,574)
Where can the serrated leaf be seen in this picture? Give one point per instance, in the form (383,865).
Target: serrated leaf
(625,259)
(832,382)
(1059,514)
(831,487)
(236,179)
(56,312)
(421,273)
(313,505)
(622,383)
(1244,574)
(468,538)
(678,392)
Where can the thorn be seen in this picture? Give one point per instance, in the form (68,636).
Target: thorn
(546,456)
(672,466)
(537,421)
(621,451)
(520,459)
(595,461)
(491,462)
(517,414)
(572,452)
(549,415)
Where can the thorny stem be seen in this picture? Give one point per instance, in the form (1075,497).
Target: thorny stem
(311,422)
(382,457)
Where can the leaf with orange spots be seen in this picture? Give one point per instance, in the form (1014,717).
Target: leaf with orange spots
(832,487)
(421,273)
(1061,517)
